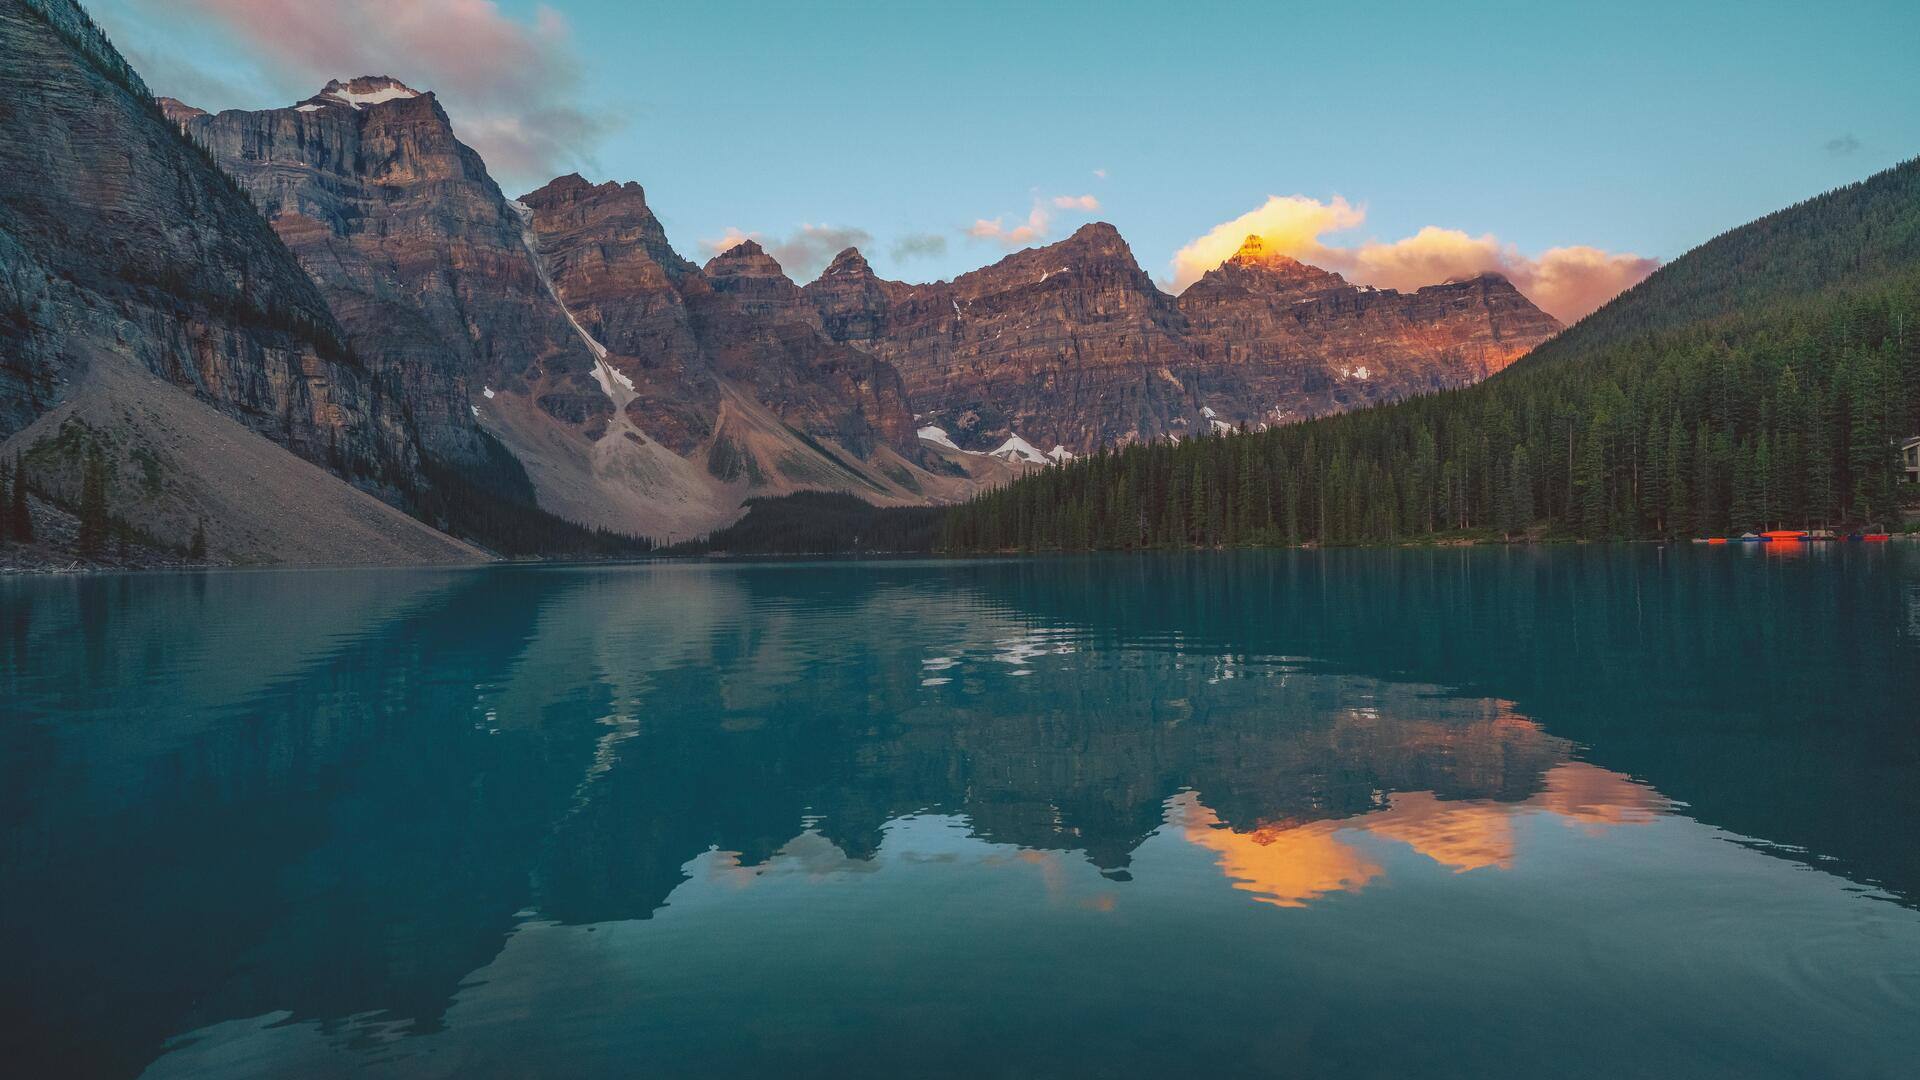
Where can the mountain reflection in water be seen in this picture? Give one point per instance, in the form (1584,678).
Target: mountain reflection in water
(299,823)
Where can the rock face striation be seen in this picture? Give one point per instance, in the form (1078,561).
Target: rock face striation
(763,332)
(118,238)
(1072,345)
(685,336)
(133,270)
(418,254)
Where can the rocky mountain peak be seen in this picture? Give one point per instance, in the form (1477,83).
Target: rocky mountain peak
(570,207)
(1492,278)
(177,112)
(1097,237)
(1259,267)
(849,263)
(362,91)
(1255,252)
(573,188)
(1094,247)
(571,184)
(745,259)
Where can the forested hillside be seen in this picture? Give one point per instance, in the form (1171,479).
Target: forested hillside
(1762,379)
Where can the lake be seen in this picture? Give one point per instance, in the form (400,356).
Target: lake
(1575,811)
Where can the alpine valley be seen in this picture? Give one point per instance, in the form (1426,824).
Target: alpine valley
(323,334)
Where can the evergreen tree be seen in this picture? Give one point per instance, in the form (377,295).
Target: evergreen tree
(1680,516)
(1519,499)
(22,516)
(94,518)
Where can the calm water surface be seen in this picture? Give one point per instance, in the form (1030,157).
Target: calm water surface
(1571,812)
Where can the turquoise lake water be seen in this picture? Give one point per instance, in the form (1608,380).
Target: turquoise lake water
(1601,812)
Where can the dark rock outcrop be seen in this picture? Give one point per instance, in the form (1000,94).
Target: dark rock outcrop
(119,239)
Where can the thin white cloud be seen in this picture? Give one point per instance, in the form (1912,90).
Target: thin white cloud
(1037,226)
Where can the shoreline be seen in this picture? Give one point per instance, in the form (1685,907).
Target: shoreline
(72,567)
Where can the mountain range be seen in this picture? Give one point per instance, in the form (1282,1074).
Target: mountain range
(1765,380)
(340,282)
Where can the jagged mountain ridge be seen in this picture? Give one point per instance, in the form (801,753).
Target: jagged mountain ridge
(639,392)
(1072,344)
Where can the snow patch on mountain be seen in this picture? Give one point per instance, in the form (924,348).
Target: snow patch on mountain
(344,92)
(1019,449)
(1014,449)
(939,437)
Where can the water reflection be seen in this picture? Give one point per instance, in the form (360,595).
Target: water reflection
(1287,863)
(308,815)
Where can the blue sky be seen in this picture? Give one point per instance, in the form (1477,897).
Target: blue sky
(1633,128)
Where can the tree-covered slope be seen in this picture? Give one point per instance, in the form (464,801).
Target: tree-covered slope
(1762,379)
(1861,233)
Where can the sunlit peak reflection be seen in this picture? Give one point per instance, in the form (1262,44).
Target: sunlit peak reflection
(1461,836)
(1288,864)
(1285,865)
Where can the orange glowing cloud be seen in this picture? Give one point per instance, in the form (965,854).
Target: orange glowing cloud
(1566,282)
